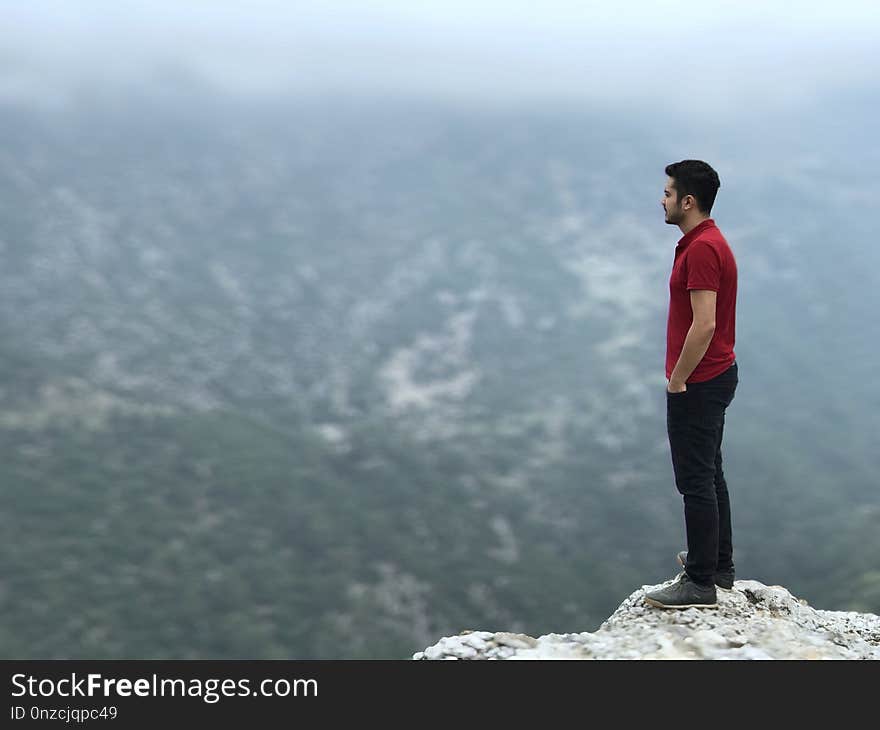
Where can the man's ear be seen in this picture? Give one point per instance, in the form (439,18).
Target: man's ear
(688,201)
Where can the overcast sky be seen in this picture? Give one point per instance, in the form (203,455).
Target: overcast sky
(724,55)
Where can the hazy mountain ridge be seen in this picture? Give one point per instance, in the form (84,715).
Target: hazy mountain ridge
(454,317)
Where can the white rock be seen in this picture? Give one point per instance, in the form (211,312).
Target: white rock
(752,621)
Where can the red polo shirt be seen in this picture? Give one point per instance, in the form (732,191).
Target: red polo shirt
(703,260)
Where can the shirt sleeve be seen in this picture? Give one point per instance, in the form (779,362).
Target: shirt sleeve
(703,267)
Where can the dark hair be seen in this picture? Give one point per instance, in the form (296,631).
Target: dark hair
(695,177)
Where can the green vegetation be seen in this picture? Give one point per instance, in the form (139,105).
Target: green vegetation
(208,316)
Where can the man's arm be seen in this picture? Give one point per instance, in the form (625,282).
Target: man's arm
(698,338)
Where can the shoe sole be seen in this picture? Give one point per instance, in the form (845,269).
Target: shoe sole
(652,602)
(718,585)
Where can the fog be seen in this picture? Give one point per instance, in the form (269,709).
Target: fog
(334,328)
(717,58)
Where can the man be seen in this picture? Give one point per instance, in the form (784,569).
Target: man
(702,373)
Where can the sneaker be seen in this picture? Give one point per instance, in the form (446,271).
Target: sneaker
(723,578)
(684,593)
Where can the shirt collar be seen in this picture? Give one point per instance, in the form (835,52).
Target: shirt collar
(695,231)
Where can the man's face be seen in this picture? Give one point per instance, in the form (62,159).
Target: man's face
(671,204)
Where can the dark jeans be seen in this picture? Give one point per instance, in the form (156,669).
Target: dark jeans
(695,423)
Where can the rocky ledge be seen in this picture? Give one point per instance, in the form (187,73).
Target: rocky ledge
(752,621)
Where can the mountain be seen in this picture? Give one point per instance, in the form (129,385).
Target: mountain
(323,378)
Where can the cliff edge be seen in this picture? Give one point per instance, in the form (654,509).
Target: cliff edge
(752,621)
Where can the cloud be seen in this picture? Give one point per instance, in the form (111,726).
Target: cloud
(719,57)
